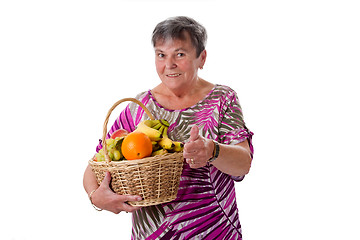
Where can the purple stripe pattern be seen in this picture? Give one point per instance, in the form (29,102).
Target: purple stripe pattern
(205,207)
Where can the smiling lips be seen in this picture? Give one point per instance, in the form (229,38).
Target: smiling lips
(173,75)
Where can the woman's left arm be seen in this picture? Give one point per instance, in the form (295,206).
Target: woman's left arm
(234,160)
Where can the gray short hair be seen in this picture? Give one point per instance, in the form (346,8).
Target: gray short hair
(175,27)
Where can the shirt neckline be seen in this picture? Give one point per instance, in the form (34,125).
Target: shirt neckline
(184,109)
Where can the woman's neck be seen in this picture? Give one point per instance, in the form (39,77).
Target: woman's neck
(185,97)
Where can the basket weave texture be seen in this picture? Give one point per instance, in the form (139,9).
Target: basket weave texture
(156,179)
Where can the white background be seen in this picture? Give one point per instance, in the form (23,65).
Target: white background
(294,65)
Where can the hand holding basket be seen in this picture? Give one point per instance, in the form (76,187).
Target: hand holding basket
(156,179)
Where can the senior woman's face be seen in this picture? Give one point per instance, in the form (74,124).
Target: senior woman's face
(176,62)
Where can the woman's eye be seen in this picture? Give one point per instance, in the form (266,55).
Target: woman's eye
(161,55)
(180,54)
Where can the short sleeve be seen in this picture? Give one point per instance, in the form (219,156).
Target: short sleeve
(232,127)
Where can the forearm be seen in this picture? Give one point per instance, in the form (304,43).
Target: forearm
(89,180)
(234,160)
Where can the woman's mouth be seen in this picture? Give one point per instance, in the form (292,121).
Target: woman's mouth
(173,75)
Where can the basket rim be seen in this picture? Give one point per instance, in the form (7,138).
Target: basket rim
(165,156)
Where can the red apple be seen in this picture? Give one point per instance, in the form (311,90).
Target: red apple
(119,133)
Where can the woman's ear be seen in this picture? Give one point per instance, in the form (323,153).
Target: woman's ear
(202,57)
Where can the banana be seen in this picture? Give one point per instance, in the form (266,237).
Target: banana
(161,129)
(166,142)
(165,122)
(155,146)
(150,123)
(179,146)
(157,126)
(154,122)
(144,127)
(164,132)
(159,152)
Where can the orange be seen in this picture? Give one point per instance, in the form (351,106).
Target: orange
(136,145)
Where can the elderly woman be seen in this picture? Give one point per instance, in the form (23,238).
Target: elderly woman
(218,149)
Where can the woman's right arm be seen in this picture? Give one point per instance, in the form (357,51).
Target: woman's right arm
(103,197)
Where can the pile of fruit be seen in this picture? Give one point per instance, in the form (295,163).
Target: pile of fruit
(149,139)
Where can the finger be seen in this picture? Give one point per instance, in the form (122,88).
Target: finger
(130,198)
(187,152)
(129,208)
(107,179)
(195,165)
(194,133)
(188,160)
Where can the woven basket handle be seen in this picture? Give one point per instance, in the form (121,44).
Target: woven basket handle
(107,158)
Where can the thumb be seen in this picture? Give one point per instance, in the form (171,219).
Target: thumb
(194,133)
(107,179)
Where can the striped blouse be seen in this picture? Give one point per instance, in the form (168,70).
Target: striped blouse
(205,207)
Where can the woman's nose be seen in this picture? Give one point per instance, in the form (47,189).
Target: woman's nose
(170,63)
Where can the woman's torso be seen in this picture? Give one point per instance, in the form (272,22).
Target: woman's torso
(205,207)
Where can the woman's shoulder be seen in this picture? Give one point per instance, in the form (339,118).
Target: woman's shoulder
(224,89)
(142,97)
(222,93)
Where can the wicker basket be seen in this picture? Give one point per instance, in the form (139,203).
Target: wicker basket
(156,179)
